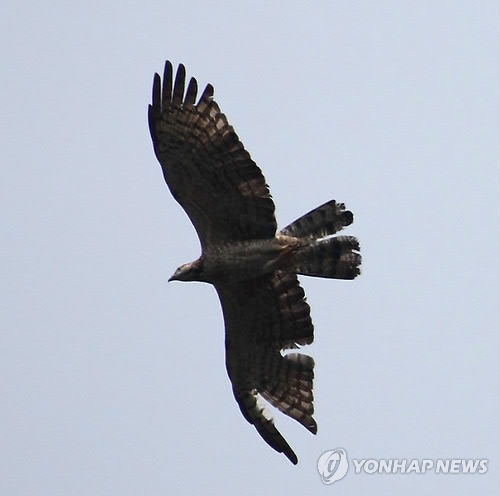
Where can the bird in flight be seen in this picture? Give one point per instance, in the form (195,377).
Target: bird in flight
(252,266)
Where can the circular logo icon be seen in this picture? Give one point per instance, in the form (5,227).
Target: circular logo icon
(333,465)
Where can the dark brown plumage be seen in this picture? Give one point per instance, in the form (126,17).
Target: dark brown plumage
(252,267)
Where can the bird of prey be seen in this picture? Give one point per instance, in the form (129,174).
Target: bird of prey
(252,266)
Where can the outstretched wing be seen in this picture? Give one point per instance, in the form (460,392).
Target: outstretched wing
(205,165)
(262,317)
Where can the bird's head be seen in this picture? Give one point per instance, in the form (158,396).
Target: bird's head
(191,271)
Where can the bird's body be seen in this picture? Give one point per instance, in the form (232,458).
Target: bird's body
(241,260)
(253,268)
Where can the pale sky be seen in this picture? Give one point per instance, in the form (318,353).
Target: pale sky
(112,380)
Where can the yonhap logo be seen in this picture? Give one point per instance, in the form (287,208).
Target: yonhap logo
(416,466)
(333,465)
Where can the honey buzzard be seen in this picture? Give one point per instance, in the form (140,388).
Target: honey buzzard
(253,268)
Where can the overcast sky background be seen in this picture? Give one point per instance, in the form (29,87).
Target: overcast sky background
(113,381)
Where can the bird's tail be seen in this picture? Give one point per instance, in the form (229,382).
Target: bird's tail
(326,255)
(325,220)
(336,257)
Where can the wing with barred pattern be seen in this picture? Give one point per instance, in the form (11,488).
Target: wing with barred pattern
(262,317)
(205,165)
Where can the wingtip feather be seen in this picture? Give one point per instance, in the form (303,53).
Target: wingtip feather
(167,82)
(155,99)
(180,80)
(191,93)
